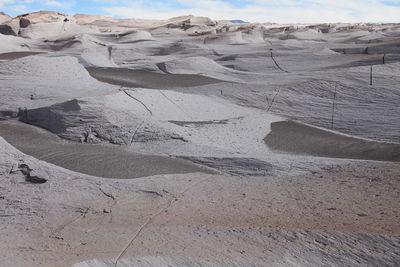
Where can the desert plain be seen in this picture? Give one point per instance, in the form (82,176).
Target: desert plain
(195,142)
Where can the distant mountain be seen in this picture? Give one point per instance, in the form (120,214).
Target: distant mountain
(238,21)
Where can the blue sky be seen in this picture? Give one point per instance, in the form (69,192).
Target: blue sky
(282,11)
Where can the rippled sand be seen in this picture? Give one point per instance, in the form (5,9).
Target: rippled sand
(97,160)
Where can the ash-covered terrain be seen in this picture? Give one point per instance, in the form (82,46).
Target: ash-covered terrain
(194,142)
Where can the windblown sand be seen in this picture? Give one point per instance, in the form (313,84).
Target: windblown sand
(97,160)
(145,79)
(298,138)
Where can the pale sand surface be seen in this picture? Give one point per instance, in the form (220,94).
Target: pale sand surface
(200,113)
(343,215)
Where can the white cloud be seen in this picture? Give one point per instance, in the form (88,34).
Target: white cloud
(284,11)
(20,8)
(4,2)
(53,3)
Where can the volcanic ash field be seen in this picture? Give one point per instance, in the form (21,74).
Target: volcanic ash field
(194,142)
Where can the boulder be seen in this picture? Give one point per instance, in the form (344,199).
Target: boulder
(7,30)
(23,22)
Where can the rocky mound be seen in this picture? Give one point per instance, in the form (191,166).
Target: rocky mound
(17,25)
(43,17)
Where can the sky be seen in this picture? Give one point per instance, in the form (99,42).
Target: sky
(283,11)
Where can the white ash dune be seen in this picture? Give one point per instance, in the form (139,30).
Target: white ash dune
(14,44)
(201,66)
(168,31)
(369,43)
(252,62)
(307,34)
(43,30)
(186,26)
(358,109)
(44,24)
(148,54)
(372,37)
(294,43)
(94,52)
(157,116)
(192,20)
(99,57)
(234,38)
(126,37)
(255,35)
(88,48)
(43,17)
(78,42)
(108,24)
(88,19)
(54,79)
(200,30)
(134,36)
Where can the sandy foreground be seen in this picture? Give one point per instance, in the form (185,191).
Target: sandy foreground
(347,213)
(191,142)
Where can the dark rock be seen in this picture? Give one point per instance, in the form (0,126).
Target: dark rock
(8,114)
(26,170)
(35,180)
(7,30)
(23,23)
